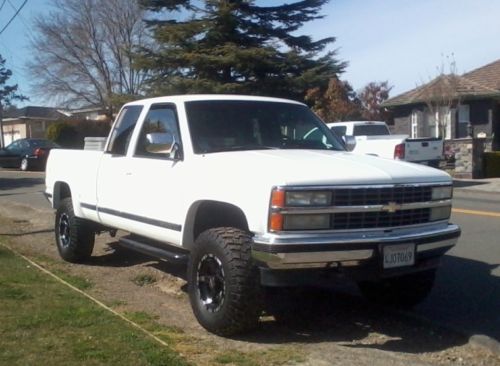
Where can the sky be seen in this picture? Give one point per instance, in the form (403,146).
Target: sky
(402,41)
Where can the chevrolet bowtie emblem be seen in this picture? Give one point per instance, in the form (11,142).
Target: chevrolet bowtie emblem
(391,207)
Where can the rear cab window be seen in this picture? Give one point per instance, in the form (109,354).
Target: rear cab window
(370,130)
(339,130)
(123,129)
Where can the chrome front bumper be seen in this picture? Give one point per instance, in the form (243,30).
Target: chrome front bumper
(326,250)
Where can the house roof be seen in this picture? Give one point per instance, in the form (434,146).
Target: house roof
(481,82)
(488,75)
(34,112)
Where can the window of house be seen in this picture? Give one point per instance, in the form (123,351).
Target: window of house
(122,131)
(161,118)
(463,120)
(414,124)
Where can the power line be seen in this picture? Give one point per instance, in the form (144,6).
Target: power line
(20,17)
(14,16)
(3,3)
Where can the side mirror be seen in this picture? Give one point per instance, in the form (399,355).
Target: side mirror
(349,142)
(162,143)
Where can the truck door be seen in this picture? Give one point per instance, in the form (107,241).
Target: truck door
(154,181)
(113,172)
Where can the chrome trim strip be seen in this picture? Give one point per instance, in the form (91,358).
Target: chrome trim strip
(311,259)
(355,237)
(394,185)
(436,245)
(128,216)
(366,208)
(361,231)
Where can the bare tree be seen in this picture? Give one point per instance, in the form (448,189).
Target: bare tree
(442,94)
(83,52)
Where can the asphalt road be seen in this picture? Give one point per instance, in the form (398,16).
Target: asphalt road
(466,295)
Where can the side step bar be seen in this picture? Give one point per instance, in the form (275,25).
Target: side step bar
(154,249)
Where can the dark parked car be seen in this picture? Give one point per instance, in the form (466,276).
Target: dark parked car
(26,154)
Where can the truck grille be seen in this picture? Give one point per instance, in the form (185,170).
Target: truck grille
(366,220)
(366,207)
(380,195)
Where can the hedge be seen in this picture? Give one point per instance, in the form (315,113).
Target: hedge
(71,134)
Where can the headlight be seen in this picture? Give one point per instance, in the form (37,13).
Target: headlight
(442,193)
(306,222)
(310,198)
(440,213)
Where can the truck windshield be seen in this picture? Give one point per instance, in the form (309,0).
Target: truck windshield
(234,125)
(370,130)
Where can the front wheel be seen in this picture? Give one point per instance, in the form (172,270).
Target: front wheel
(402,292)
(74,236)
(223,282)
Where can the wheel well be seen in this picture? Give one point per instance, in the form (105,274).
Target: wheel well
(211,214)
(61,191)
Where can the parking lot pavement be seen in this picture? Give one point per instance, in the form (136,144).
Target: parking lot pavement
(24,188)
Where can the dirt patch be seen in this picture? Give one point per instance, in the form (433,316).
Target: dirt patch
(345,330)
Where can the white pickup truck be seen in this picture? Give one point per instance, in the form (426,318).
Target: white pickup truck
(242,190)
(374,138)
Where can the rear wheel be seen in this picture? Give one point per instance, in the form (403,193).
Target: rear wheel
(223,282)
(74,236)
(403,292)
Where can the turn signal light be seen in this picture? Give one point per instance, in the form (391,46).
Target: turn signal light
(276,222)
(278,198)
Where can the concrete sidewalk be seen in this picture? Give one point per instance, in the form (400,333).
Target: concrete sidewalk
(488,185)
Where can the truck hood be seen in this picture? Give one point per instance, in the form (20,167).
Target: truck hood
(319,167)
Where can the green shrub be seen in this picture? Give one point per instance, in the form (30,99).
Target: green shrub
(71,134)
(491,161)
(62,133)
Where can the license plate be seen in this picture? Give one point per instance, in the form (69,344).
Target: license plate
(399,255)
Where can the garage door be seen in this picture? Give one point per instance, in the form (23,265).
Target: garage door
(11,136)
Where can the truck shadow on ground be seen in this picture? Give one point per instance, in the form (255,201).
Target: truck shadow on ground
(121,257)
(340,314)
(348,319)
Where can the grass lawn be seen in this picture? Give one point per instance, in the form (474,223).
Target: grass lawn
(43,322)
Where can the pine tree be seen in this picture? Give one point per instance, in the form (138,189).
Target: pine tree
(8,93)
(235,46)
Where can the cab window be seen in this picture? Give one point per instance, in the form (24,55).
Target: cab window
(120,136)
(161,119)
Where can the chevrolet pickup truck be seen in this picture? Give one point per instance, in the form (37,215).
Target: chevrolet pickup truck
(255,194)
(374,138)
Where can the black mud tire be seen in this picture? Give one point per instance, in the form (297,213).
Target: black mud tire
(400,292)
(223,282)
(74,236)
